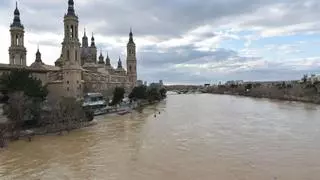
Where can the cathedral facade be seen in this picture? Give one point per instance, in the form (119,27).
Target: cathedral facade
(78,69)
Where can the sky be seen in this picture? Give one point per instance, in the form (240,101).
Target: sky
(182,41)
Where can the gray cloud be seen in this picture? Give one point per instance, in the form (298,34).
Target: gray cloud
(173,19)
(164,18)
(151,57)
(161,18)
(46,43)
(169,18)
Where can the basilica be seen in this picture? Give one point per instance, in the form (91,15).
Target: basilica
(78,69)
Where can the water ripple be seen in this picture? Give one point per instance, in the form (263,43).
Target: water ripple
(194,137)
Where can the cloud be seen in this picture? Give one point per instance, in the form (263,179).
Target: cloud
(182,41)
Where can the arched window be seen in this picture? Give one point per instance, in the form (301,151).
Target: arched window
(17,40)
(76,55)
(130,68)
(76,31)
(68,55)
(71,31)
(67,31)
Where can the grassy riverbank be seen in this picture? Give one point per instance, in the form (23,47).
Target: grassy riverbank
(290,92)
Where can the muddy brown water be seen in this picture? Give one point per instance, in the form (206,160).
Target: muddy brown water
(197,136)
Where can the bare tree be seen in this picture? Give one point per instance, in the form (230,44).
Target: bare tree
(17,111)
(63,114)
(3,131)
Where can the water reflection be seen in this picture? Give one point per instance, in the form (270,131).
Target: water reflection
(194,137)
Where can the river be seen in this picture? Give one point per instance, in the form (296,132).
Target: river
(195,137)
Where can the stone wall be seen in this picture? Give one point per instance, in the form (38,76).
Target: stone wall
(55,89)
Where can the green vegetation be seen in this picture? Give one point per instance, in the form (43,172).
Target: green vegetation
(151,94)
(23,95)
(305,90)
(163,93)
(138,93)
(26,106)
(118,95)
(22,81)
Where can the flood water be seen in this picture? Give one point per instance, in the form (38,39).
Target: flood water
(195,137)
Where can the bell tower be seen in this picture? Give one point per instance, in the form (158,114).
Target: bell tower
(71,68)
(131,60)
(17,51)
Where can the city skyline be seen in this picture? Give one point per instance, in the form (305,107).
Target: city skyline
(183,42)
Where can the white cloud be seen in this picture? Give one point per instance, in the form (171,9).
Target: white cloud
(183,39)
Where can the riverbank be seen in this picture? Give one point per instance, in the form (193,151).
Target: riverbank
(27,134)
(58,128)
(298,92)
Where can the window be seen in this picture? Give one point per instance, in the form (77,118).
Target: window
(76,55)
(67,88)
(17,40)
(67,31)
(77,82)
(76,31)
(67,82)
(68,55)
(130,68)
(71,31)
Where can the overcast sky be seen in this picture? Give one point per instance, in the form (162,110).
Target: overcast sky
(183,41)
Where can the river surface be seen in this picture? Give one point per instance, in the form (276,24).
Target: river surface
(195,137)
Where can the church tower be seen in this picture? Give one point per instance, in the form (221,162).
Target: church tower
(17,51)
(71,69)
(108,63)
(119,64)
(38,57)
(131,60)
(85,40)
(101,58)
(93,50)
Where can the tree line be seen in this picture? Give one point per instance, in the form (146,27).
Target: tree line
(296,91)
(26,105)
